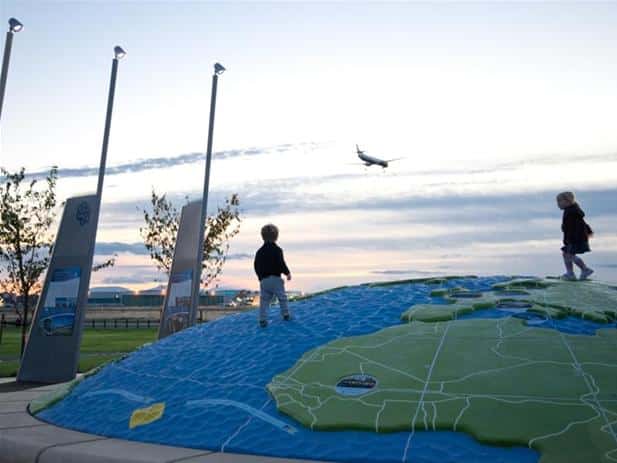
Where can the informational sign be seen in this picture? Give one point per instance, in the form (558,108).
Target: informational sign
(181,298)
(51,354)
(176,316)
(58,313)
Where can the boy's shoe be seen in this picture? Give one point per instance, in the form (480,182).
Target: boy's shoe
(568,277)
(286,317)
(585,274)
(263,323)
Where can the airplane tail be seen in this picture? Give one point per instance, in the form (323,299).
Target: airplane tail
(358,150)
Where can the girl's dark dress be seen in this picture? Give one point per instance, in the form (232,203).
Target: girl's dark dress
(575,230)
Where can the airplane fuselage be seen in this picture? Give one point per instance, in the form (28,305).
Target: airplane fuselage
(370,160)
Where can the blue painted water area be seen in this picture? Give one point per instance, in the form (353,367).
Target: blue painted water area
(212,379)
(570,325)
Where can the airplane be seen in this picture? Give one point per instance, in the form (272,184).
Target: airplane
(371,161)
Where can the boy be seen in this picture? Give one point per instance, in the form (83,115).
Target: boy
(269,264)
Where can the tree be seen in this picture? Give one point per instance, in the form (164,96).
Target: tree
(28,211)
(162,223)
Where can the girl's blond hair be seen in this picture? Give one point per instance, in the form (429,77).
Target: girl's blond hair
(566,196)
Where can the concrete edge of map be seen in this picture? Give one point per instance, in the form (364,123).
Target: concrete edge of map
(25,439)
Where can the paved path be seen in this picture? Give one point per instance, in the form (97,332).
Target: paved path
(24,439)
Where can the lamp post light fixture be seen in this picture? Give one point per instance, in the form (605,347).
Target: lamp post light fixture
(119,53)
(14,27)
(218,70)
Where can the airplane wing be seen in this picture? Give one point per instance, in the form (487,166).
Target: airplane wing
(395,159)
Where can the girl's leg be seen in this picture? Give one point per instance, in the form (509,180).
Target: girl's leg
(579,262)
(585,271)
(567,260)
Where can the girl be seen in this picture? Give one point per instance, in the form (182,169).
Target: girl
(576,235)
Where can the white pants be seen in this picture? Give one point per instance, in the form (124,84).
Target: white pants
(270,287)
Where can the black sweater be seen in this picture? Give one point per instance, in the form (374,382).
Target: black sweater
(269,261)
(573,225)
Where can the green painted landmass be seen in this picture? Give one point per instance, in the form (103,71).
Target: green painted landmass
(553,299)
(449,311)
(584,299)
(527,283)
(499,380)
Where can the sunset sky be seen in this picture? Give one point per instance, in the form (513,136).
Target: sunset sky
(494,107)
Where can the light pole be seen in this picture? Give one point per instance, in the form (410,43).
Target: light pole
(14,26)
(119,53)
(218,70)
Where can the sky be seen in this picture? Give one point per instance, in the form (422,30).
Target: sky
(493,107)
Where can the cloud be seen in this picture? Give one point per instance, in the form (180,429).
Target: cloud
(401,272)
(293,182)
(475,233)
(169,161)
(468,207)
(114,247)
(107,249)
(493,217)
(239,256)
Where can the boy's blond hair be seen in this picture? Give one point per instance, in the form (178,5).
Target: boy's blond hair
(269,233)
(567,196)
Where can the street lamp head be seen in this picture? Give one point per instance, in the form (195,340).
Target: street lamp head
(15,25)
(218,69)
(119,52)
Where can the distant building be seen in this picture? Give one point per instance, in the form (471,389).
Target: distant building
(160,289)
(152,297)
(118,296)
(107,295)
(228,295)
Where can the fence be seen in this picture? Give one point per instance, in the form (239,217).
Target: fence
(124,323)
(121,323)
(132,300)
(98,323)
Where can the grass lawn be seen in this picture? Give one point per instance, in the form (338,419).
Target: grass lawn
(97,346)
